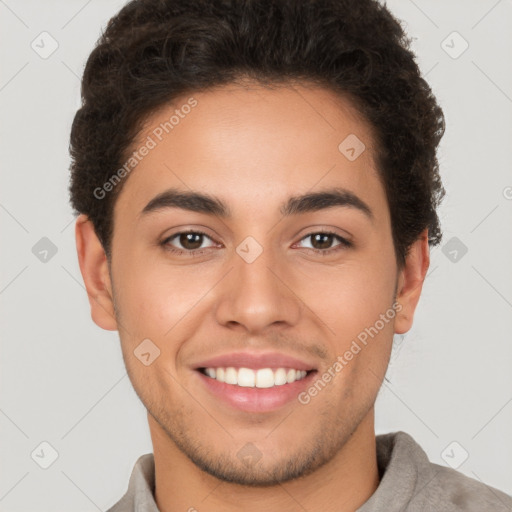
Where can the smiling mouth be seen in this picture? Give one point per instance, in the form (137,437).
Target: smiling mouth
(252,378)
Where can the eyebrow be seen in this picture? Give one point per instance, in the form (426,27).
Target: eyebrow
(211,205)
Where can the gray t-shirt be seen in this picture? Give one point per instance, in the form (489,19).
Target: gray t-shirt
(408,483)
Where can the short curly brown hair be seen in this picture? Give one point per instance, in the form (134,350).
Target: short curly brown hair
(153,51)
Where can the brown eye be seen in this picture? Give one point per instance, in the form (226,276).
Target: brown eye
(186,242)
(191,241)
(322,242)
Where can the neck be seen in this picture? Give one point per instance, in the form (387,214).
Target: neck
(343,484)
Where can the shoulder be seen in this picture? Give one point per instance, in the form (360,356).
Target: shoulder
(463,493)
(408,475)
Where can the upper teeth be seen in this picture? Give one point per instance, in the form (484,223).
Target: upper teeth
(262,378)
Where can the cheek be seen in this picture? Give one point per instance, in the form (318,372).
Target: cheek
(152,296)
(355,301)
(350,297)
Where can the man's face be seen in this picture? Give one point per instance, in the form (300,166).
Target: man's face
(253,284)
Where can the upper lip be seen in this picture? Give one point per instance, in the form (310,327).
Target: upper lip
(255,361)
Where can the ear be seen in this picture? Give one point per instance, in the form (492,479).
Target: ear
(94,268)
(410,282)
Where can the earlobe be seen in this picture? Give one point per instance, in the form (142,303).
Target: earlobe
(410,282)
(94,268)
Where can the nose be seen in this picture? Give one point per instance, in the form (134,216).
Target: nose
(259,294)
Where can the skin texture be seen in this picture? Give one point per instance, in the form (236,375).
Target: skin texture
(254,148)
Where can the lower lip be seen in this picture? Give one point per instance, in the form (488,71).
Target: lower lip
(256,399)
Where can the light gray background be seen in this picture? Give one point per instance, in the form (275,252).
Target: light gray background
(62,378)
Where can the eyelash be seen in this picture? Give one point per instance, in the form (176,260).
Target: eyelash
(344,244)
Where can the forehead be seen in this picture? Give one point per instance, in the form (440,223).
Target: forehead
(251,143)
